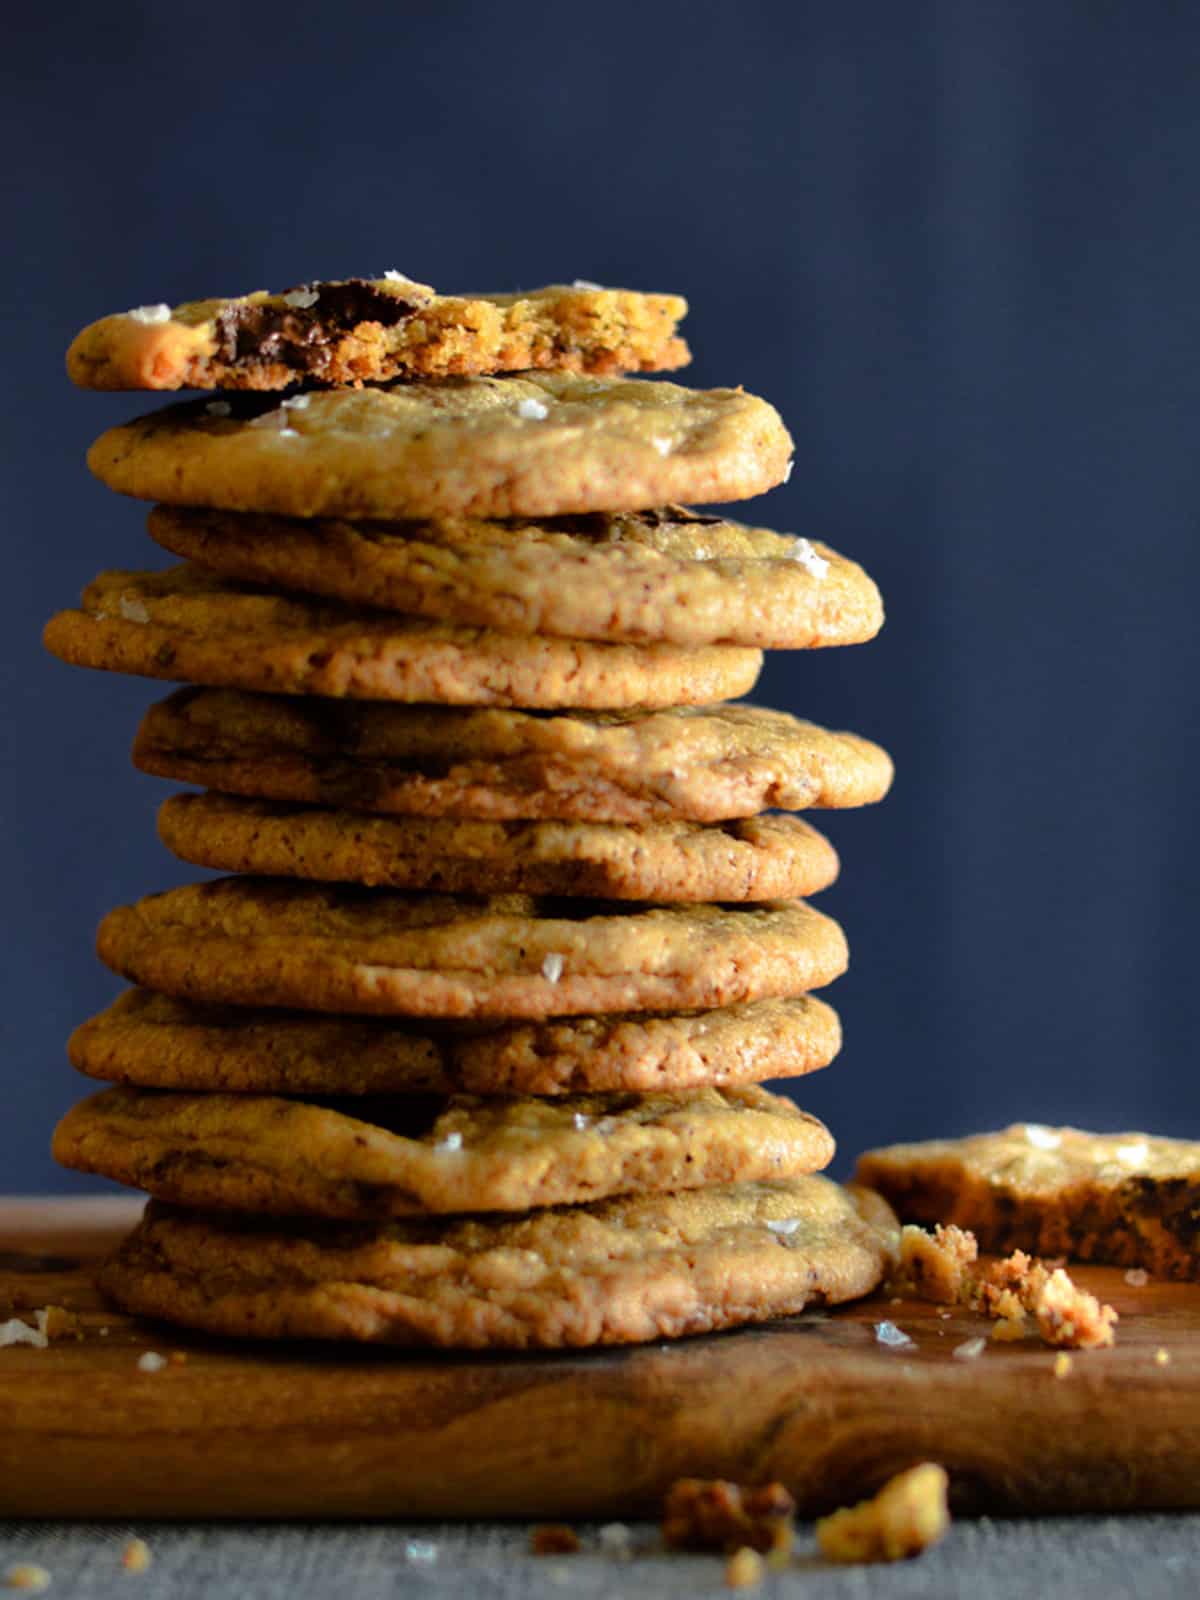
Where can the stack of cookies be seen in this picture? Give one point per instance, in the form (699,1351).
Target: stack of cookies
(467,1049)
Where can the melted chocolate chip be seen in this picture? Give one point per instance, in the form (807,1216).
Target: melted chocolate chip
(298,336)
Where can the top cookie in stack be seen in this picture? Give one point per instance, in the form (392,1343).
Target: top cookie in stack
(458,660)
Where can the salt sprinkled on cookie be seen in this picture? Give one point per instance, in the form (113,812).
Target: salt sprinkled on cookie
(804,552)
(586,283)
(452,1141)
(133,609)
(663,446)
(392,276)
(784,1226)
(532,410)
(581,1121)
(302,298)
(887,1333)
(288,433)
(552,967)
(150,314)
(1133,1155)
(1042,1138)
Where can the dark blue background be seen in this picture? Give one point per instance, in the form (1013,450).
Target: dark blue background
(957,245)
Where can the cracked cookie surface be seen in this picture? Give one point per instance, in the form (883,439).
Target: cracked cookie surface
(538,445)
(185,624)
(619,1271)
(709,765)
(271,941)
(667,575)
(400,1155)
(154,1041)
(757,858)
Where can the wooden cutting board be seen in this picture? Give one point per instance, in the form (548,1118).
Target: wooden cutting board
(817,1401)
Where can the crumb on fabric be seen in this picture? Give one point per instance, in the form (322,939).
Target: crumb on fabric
(909,1514)
(1070,1316)
(745,1569)
(553,1539)
(711,1514)
(136,1556)
(936,1266)
(25,1575)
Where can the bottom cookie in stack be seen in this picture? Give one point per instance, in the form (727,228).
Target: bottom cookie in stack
(325,1176)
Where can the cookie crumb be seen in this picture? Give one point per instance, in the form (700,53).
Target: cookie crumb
(136,1556)
(27,1576)
(887,1333)
(937,1266)
(908,1515)
(552,967)
(745,1569)
(178,1358)
(1137,1277)
(713,1514)
(1162,1357)
(615,1537)
(151,1361)
(150,314)
(1008,1330)
(59,1324)
(1067,1315)
(553,1539)
(1063,1364)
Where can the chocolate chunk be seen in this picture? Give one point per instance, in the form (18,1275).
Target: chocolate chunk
(298,336)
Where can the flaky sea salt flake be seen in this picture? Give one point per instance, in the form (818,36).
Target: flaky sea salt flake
(133,609)
(804,552)
(887,1333)
(1133,1155)
(1042,1138)
(452,1141)
(1137,1277)
(532,410)
(303,298)
(784,1226)
(552,967)
(969,1350)
(151,1361)
(14,1331)
(663,446)
(586,283)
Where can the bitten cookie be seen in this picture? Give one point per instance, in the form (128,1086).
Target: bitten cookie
(617,1272)
(368,330)
(400,1156)
(1128,1198)
(186,624)
(642,577)
(153,1041)
(707,765)
(486,447)
(269,941)
(758,858)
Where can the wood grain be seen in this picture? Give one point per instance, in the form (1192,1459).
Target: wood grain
(816,1401)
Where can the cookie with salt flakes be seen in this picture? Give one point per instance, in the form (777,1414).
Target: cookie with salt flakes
(755,858)
(153,1041)
(538,445)
(185,624)
(1127,1198)
(274,942)
(370,330)
(699,765)
(416,1155)
(619,1271)
(667,575)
